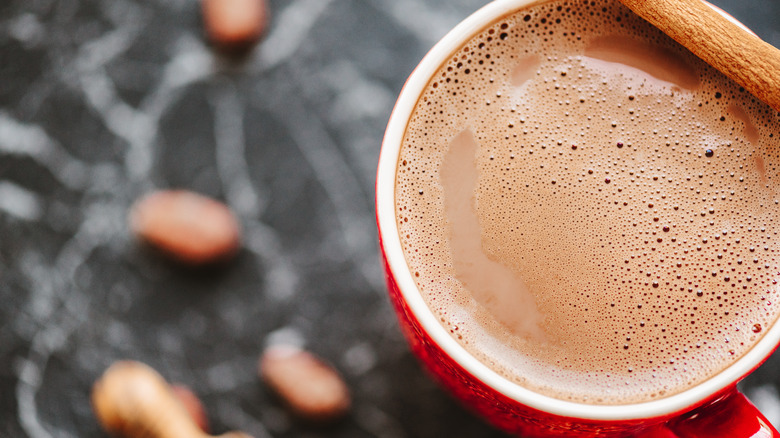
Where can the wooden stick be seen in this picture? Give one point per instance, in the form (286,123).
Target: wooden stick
(743,57)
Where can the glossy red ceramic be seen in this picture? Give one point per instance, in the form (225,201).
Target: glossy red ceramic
(712,409)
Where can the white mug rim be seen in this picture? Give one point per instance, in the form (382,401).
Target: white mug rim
(388,231)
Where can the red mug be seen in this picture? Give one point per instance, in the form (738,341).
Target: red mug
(713,408)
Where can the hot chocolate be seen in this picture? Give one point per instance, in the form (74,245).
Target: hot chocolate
(589,208)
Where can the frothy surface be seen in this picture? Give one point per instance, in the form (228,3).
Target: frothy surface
(624,189)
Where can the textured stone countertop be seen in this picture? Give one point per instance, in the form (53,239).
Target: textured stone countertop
(104,100)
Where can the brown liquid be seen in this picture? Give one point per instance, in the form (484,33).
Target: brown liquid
(590,209)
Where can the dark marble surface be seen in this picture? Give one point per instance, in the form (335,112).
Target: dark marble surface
(104,100)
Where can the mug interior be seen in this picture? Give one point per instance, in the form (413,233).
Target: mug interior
(388,230)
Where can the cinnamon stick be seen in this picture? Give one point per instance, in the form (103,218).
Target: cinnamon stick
(738,54)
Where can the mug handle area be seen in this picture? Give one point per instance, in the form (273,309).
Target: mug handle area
(729,416)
